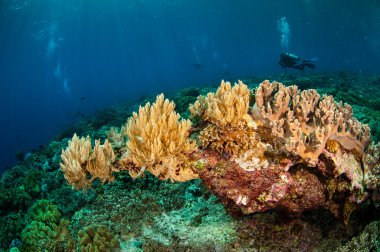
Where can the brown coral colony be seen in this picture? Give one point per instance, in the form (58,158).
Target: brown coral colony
(293,151)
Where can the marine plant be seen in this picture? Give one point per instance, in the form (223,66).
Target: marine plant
(292,151)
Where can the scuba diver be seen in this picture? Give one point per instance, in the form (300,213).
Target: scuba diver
(288,60)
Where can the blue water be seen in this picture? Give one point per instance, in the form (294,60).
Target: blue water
(61,57)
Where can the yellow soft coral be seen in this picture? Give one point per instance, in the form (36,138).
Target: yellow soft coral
(230,128)
(228,106)
(159,142)
(81,164)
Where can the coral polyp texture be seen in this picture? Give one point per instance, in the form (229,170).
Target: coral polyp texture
(292,151)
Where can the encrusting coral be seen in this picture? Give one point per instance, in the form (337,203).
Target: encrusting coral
(371,162)
(293,151)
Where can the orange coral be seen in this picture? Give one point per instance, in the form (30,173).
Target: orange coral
(332,146)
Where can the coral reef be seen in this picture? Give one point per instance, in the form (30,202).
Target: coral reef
(190,226)
(371,162)
(312,187)
(18,187)
(184,98)
(11,227)
(304,147)
(69,201)
(293,151)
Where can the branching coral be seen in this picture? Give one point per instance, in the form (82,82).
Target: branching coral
(303,122)
(159,142)
(81,163)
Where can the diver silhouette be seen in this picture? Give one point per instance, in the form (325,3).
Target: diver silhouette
(289,60)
